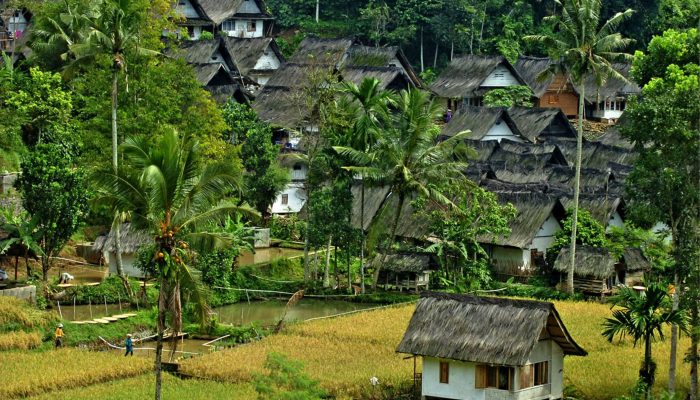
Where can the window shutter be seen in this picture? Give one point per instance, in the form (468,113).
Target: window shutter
(481,380)
(444,372)
(525,377)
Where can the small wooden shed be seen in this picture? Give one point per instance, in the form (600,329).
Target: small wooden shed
(403,271)
(594,269)
(488,348)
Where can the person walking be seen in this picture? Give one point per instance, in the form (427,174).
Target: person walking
(59,335)
(129,343)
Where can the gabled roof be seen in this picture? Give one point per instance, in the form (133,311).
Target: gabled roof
(479,121)
(533,209)
(389,77)
(247,51)
(530,69)
(277,106)
(220,10)
(369,56)
(483,329)
(402,262)
(612,87)
(203,51)
(131,239)
(635,260)
(550,150)
(212,74)
(600,206)
(541,123)
(464,75)
(322,51)
(590,261)
(203,19)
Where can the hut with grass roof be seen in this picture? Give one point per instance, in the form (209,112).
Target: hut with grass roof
(488,348)
(403,271)
(131,241)
(594,269)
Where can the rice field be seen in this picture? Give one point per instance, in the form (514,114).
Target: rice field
(343,353)
(32,373)
(20,340)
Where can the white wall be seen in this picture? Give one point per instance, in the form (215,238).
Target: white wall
(128,264)
(267,61)
(461,380)
(607,114)
(556,371)
(500,130)
(241,29)
(262,80)
(500,77)
(545,235)
(616,221)
(296,198)
(17,23)
(184,7)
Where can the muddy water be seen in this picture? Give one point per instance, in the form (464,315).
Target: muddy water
(269,312)
(184,346)
(267,255)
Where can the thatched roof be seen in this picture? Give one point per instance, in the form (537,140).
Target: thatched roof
(483,149)
(369,56)
(531,68)
(410,224)
(247,51)
(612,87)
(131,240)
(541,123)
(212,74)
(533,209)
(220,10)
(635,260)
(478,120)
(464,75)
(277,106)
(601,207)
(612,137)
(402,262)
(204,52)
(322,51)
(389,77)
(483,329)
(590,261)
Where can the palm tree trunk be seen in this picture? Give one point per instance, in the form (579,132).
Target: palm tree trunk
(318,7)
(16,267)
(364,239)
(674,339)
(159,341)
(326,271)
(392,239)
(577,182)
(647,364)
(307,272)
(437,46)
(422,64)
(115,167)
(336,273)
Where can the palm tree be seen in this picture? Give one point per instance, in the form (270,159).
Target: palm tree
(409,159)
(581,51)
(21,236)
(642,315)
(371,112)
(114,33)
(167,191)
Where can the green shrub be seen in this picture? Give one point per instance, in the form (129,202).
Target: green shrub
(206,35)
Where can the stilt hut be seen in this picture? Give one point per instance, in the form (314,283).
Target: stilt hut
(488,348)
(403,271)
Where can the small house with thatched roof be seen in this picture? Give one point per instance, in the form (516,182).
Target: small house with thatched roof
(553,91)
(484,123)
(608,101)
(193,18)
(631,268)
(594,269)
(488,348)
(537,220)
(131,242)
(239,18)
(403,271)
(256,58)
(467,78)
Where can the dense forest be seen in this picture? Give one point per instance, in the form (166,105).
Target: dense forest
(432,31)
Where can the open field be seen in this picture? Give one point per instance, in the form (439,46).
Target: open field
(143,387)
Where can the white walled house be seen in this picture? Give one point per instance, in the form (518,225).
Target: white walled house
(291,200)
(238,18)
(484,123)
(131,242)
(256,58)
(483,348)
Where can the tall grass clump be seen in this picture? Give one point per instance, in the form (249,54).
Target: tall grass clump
(18,315)
(20,340)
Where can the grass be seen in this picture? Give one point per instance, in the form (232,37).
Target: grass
(143,387)
(88,333)
(32,373)
(18,315)
(20,340)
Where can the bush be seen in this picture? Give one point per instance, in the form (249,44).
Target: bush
(206,35)
(110,290)
(289,228)
(286,380)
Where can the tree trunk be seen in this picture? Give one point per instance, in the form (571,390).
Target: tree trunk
(115,168)
(437,46)
(159,341)
(16,267)
(694,337)
(317,9)
(647,364)
(422,64)
(364,239)
(336,273)
(577,182)
(674,339)
(452,50)
(392,239)
(307,271)
(347,261)
(315,263)
(326,271)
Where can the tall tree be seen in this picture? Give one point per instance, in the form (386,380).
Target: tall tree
(409,159)
(583,49)
(642,315)
(167,191)
(370,109)
(22,237)
(665,127)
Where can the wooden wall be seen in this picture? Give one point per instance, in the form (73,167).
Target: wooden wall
(560,94)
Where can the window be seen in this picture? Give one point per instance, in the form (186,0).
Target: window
(553,99)
(251,26)
(541,373)
(297,167)
(444,372)
(228,26)
(498,377)
(285,199)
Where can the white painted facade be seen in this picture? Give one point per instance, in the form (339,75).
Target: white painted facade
(17,24)
(128,264)
(545,235)
(500,77)
(185,8)
(462,378)
(499,131)
(268,61)
(243,28)
(615,221)
(290,200)
(610,109)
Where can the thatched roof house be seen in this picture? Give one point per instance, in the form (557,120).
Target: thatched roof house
(592,262)
(468,76)
(531,70)
(403,271)
(219,11)
(391,57)
(608,211)
(471,344)
(484,123)
(541,124)
(612,88)
(257,58)
(635,260)
(131,241)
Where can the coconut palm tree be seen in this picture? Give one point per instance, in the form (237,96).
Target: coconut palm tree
(583,49)
(166,190)
(371,114)
(114,33)
(409,159)
(642,315)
